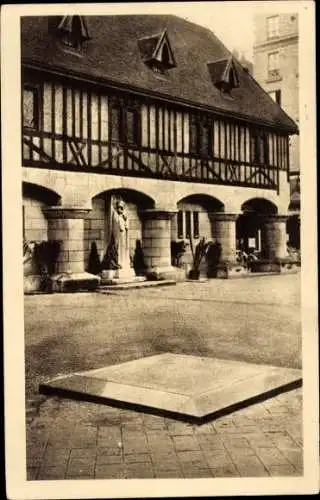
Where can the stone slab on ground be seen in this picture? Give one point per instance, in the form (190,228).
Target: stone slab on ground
(188,387)
(134,285)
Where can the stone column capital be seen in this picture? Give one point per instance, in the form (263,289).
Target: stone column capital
(60,212)
(223,216)
(157,214)
(273,218)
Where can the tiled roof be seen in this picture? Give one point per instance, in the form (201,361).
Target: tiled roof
(114,54)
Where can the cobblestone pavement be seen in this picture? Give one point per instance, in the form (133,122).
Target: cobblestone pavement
(251,320)
(71,439)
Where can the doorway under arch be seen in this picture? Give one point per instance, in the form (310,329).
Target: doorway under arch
(249,224)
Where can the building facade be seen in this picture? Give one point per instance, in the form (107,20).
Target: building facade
(276,68)
(156,110)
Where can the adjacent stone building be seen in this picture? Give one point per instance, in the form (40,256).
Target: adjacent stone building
(154,109)
(276,68)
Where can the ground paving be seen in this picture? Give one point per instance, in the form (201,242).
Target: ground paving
(69,439)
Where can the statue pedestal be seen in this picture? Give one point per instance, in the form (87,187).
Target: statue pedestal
(120,276)
(125,274)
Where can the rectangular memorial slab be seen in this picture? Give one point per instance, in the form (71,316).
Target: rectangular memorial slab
(182,386)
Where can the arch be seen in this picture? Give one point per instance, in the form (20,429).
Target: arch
(207,202)
(40,193)
(142,200)
(259,206)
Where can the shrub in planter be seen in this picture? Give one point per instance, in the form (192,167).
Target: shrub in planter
(110,259)
(94,265)
(138,262)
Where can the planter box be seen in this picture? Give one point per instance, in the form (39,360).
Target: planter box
(33,283)
(265,266)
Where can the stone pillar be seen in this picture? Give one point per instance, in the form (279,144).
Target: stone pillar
(66,224)
(224,231)
(274,237)
(156,243)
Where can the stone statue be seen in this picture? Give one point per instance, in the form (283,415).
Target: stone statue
(118,253)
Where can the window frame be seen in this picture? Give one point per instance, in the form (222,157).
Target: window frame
(274,69)
(277,96)
(188,224)
(273,27)
(37,102)
(196,136)
(260,153)
(123,136)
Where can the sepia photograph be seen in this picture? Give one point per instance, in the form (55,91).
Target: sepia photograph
(159,231)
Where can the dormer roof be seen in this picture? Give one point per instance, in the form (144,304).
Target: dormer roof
(224,75)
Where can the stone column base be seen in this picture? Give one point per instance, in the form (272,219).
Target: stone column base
(228,270)
(165,273)
(73,282)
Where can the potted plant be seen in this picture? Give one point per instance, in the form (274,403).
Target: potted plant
(197,255)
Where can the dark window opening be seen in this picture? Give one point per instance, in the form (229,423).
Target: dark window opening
(165,55)
(196,225)
(188,224)
(180,224)
(132,127)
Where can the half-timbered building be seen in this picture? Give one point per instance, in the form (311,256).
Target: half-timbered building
(156,110)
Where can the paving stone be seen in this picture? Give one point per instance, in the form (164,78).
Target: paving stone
(166,466)
(294,456)
(106,450)
(166,474)
(250,466)
(137,458)
(162,455)
(218,459)
(110,471)
(195,472)
(179,429)
(139,470)
(109,436)
(210,442)
(228,470)
(271,456)
(184,443)
(55,456)
(83,453)
(235,442)
(109,459)
(57,472)
(134,442)
(204,429)
(79,467)
(191,456)
(159,441)
(282,470)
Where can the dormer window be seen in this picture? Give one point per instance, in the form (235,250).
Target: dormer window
(224,74)
(157,53)
(71,30)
